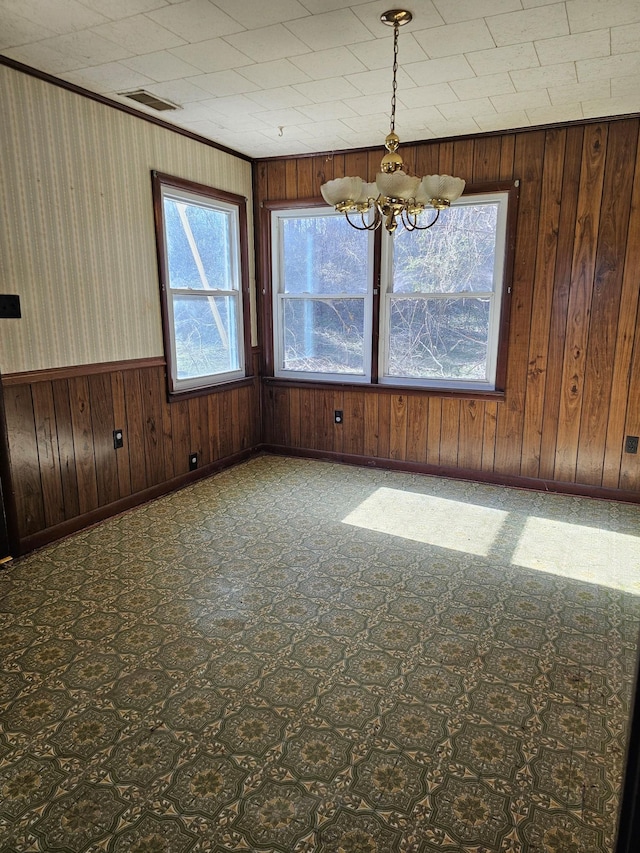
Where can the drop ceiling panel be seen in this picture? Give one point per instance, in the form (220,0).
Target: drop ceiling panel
(280,77)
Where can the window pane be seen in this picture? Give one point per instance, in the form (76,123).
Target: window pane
(206,335)
(457,254)
(324,255)
(198,246)
(324,336)
(439,338)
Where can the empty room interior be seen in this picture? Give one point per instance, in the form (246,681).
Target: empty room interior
(319,426)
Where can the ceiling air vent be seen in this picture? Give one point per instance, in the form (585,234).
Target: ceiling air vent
(149,100)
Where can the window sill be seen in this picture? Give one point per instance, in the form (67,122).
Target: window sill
(207,390)
(459,393)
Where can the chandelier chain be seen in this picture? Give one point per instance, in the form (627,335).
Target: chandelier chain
(396,29)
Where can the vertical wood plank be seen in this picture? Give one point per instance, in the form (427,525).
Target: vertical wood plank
(294,417)
(213,427)
(196,436)
(23,448)
(605,301)
(152,391)
(324,426)
(398,428)
(562,280)
(370,445)
(486,159)
(354,423)
(434,427)
(307,417)
(384,426)
(106,465)
(546,254)
(181,432)
(120,422)
(449,432)
(417,418)
(226,430)
(337,404)
(66,453)
(470,438)
(235,419)
(579,311)
(489,436)
(135,430)
(48,454)
(79,401)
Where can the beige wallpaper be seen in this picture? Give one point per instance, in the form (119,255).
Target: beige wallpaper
(77,238)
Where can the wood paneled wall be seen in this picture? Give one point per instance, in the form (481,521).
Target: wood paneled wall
(573,376)
(65,470)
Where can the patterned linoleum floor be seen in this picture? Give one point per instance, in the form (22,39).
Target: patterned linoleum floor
(299,656)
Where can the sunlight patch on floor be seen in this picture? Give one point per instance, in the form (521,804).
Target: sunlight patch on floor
(579,552)
(423,518)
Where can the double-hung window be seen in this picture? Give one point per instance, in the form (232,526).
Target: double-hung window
(322,306)
(201,236)
(431,317)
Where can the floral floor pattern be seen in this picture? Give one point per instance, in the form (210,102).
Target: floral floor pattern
(286,657)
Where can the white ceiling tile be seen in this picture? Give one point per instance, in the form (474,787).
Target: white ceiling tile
(279,98)
(506,121)
(484,86)
(211,55)
(611,106)
(375,82)
(234,105)
(521,101)
(621,65)
(541,78)
(460,109)
(377,123)
(370,104)
(468,10)
(42,56)
(439,70)
(139,30)
(290,117)
(444,128)
(88,47)
(571,48)
(624,86)
(455,39)
(625,39)
(63,16)
(17,30)
(324,63)
(110,77)
(279,72)
(161,66)
(223,83)
(500,59)
(317,7)
(549,115)
(196,20)
(379,53)
(426,96)
(530,4)
(597,14)
(580,92)
(115,9)
(333,29)
(179,91)
(204,128)
(267,43)
(424,14)
(333,88)
(329,110)
(526,26)
(249,13)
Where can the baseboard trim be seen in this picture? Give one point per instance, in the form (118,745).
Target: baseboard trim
(95,516)
(516,482)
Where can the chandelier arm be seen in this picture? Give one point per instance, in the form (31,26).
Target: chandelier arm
(417,227)
(370,227)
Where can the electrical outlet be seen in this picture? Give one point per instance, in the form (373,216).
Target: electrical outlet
(193,461)
(118,439)
(337,416)
(9,306)
(631,444)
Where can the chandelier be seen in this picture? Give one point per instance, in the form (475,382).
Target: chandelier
(394,194)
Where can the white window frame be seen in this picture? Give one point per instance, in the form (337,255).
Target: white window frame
(494,296)
(231,210)
(279,296)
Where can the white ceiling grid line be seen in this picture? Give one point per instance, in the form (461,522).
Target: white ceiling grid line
(283,77)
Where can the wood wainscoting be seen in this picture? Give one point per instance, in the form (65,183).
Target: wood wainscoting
(65,471)
(572,393)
